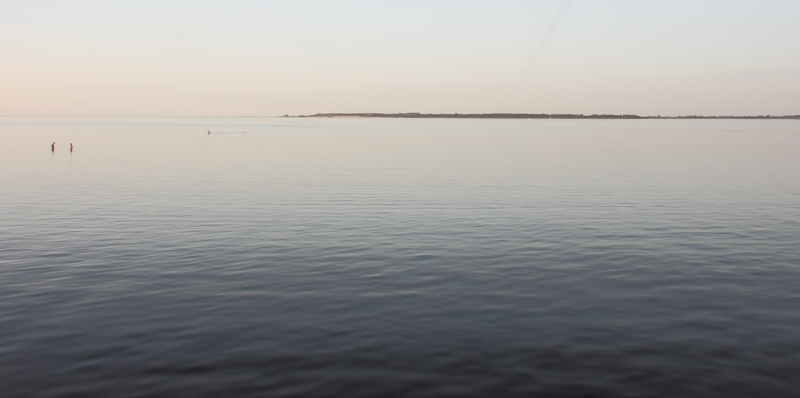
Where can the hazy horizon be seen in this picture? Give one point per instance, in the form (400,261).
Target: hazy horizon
(247,58)
(166,232)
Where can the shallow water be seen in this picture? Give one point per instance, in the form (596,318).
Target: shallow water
(390,257)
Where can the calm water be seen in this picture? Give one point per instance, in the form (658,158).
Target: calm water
(409,258)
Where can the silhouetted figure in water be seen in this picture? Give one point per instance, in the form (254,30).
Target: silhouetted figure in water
(209,132)
(53,147)
(70,147)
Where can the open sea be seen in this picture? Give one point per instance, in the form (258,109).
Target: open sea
(305,257)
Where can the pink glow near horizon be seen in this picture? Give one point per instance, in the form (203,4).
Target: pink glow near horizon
(254,58)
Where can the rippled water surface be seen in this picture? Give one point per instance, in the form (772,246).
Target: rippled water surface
(409,258)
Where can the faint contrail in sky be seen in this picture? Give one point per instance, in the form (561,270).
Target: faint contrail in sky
(537,55)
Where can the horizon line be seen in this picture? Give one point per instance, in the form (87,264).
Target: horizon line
(456,115)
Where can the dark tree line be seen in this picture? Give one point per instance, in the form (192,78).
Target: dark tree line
(417,115)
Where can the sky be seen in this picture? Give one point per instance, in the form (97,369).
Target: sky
(269,58)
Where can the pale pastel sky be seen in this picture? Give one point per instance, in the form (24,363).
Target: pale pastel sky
(263,58)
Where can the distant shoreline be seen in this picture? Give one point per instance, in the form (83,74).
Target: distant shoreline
(527,116)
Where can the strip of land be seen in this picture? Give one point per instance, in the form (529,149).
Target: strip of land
(416,115)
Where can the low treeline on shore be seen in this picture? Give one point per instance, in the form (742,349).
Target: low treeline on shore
(534,116)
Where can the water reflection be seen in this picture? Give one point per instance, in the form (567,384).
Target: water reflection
(367,257)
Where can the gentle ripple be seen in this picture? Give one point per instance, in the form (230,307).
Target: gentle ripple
(419,258)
